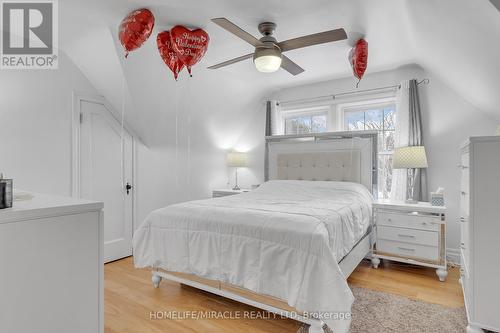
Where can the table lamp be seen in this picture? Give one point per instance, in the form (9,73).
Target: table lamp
(410,158)
(236,160)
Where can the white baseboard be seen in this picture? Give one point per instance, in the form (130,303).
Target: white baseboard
(453,256)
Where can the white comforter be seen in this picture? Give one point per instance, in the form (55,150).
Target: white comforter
(284,239)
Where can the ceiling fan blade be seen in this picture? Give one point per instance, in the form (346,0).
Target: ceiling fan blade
(290,66)
(314,39)
(232,61)
(234,29)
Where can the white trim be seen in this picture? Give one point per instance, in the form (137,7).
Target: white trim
(78,97)
(453,256)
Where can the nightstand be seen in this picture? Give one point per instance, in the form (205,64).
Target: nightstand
(410,233)
(225,192)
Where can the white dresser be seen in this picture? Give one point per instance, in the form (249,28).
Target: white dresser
(51,261)
(480,232)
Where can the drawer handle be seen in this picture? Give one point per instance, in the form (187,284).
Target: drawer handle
(407,236)
(463,219)
(462,246)
(463,193)
(406,249)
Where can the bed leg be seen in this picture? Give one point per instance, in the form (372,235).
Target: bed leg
(375,262)
(318,327)
(156,279)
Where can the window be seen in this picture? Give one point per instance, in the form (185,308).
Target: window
(381,118)
(306,123)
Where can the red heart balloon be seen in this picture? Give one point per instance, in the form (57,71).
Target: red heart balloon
(358,58)
(168,54)
(135,29)
(190,45)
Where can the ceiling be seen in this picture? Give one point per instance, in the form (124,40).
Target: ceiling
(456,40)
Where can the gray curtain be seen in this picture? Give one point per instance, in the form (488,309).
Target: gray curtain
(268,132)
(415,138)
(269,125)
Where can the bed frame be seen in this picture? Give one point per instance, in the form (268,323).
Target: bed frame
(336,156)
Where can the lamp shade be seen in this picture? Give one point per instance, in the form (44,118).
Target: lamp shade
(236,160)
(412,157)
(267,60)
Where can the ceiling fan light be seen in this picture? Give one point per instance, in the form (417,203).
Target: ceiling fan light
(267,60)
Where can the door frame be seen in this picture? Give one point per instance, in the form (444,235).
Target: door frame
(78,98)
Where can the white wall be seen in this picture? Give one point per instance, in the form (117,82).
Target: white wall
(447,118)
(35,126)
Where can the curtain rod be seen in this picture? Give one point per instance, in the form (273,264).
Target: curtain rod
(334,96)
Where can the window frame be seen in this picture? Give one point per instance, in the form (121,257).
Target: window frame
(367,106)
(307,112)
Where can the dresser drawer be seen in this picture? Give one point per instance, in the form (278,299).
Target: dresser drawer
(406,235)
(408,250)
(408,220)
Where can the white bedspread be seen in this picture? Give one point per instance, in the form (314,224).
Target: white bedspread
(284,239)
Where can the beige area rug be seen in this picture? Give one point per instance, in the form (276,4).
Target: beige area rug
(379,312)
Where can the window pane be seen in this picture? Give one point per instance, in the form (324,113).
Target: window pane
(384,175)
(354,120)
(388,144)
(303,125)
(389,118)
(373,119)
(291,126)
(319,124)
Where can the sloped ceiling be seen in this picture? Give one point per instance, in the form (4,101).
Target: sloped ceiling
(456,40)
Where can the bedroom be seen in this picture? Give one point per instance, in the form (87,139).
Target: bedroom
(210,202)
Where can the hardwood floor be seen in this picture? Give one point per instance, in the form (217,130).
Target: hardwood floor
(130,299)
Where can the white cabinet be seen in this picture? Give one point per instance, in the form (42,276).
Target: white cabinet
(480,231)
(51,259)
(411,233)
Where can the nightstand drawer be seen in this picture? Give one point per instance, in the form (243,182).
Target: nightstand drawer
(406,235)
(408,220)
(408,250)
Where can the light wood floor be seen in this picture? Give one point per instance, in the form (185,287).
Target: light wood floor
(130,298)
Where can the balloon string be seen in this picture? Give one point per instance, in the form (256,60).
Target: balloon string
(122,148)
(357,84)
(177,98)
(188,99)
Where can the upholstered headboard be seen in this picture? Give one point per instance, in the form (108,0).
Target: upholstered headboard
(335,159)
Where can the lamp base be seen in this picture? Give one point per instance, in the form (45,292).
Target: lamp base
(236,188)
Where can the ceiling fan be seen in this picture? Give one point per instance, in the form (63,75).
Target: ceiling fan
(268,55)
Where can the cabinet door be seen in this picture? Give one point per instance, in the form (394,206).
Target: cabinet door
(50,275)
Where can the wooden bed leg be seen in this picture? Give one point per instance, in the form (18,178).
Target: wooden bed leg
(375,262)
(156,279)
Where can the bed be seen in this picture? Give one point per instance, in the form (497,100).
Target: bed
(286,247)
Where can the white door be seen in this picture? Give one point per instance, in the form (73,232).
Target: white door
(102,168)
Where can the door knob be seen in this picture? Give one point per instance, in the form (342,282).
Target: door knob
(128,187)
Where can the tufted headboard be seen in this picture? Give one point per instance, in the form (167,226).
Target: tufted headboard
(336,159)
